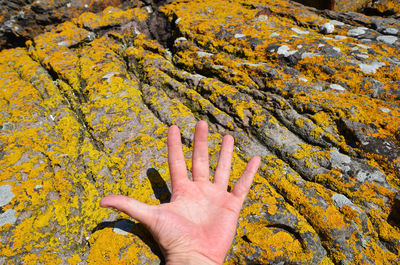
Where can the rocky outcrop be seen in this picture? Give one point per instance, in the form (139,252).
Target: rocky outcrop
(21,20)
(85,109)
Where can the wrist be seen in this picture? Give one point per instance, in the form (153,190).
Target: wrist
(190,259)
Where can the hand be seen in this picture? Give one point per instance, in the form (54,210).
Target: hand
(198,225)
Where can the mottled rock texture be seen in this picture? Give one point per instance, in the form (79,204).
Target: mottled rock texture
(21,20)
(85,107)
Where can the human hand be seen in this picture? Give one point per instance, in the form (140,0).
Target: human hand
(198,225)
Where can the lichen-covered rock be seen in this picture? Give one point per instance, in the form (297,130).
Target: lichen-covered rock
(21,20)
(84,112)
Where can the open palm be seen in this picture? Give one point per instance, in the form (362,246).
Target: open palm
(198,225)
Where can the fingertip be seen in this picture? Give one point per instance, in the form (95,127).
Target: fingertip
(202,124)
(173,129)
(228,138)
(106,202)
(257,160)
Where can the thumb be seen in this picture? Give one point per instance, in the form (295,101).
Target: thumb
(137,210)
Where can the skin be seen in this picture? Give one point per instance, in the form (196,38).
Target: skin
(198,225)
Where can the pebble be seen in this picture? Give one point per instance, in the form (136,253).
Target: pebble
(387,39)
(303,79)
(336,49)
(5,195)
(356,32)
(299,31)
(337,87)
(391,31)
(285,51)
(274,34)
(90,37)
(371,68)
(327,28)
(239,36)
(385,110)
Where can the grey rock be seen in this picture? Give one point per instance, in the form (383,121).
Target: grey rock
(339,200)
(299,31)
(361,56)
(336,23)
(385,110)
(371,176)
(340,161)
(8,126)
(90,37)
(308,55)
(337,87)
(285,51)
(355,32)
(5,195)
(8,217)
(204,54)
(391,31)
(340,37)
(327,28)
(387,39)
(239,36)
(371,68)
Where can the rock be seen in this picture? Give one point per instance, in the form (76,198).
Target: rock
(356,32)
(391,31)
(387,39)
(337,87)
(371,68)
(5,195)
(327,28)
(23,20)
(85,108)
(8,217)
(339,200)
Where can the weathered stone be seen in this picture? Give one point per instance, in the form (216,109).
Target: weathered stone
(22,20)
(85,108)
(8,217)
(327,28)
(387,39)
(5,195)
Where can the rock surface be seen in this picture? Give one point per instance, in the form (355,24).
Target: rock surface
(21,20)
(85,107)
